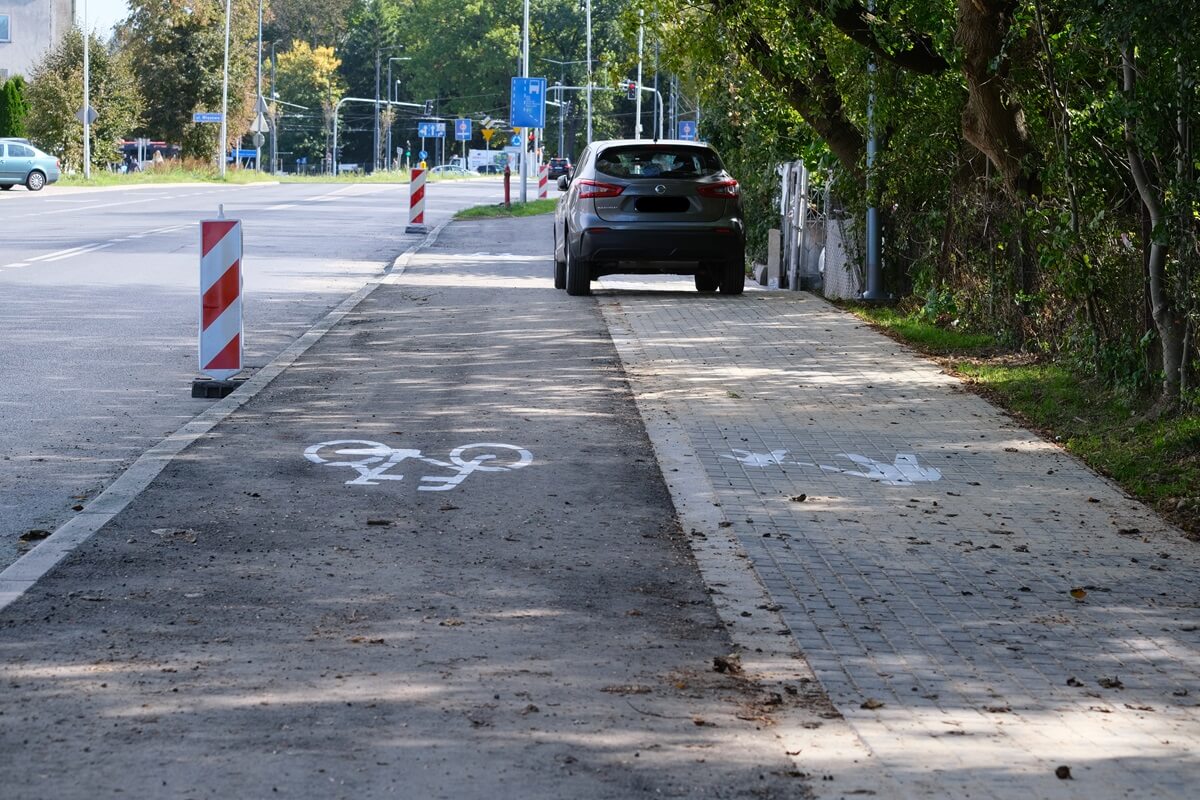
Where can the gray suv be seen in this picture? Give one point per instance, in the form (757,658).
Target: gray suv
(649,207)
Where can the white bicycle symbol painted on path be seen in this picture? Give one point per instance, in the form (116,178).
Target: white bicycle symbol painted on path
(374,460)
(905,470)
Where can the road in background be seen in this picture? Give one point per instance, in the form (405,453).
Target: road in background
(98,314)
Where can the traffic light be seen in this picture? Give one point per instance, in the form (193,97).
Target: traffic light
(428,107)
(631,90)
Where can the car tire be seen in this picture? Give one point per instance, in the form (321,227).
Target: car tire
(560,267)
(733,276)
(578,277)
(35,181)
(707,279)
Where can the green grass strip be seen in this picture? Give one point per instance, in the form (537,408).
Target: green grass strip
(530,209)
(1155,460)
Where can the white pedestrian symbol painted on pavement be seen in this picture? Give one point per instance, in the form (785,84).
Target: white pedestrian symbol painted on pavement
(374,460)
(905,470)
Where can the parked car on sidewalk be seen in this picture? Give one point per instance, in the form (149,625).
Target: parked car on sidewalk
(649,207)
(559,167)
(22,163)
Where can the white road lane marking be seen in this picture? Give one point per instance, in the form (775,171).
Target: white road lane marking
(89,249)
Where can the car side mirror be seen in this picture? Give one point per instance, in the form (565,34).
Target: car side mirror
(563,183)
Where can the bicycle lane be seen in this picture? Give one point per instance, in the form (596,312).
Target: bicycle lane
(359,585)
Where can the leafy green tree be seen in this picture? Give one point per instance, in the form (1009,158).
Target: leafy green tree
(176,48)
(55,95)
(306,76)
(13,107)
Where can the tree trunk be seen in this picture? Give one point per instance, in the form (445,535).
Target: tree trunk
(992,121)
(1167,322)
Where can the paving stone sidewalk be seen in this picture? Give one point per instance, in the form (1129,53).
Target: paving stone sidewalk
(980,606)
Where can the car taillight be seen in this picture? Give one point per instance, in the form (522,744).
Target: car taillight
(725,189)
(597,189)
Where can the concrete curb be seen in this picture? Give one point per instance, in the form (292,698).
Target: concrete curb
(815,742)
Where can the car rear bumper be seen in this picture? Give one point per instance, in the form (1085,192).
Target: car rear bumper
(710,243)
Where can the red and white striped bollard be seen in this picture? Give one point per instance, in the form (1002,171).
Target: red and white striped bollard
(416,202)
(543,179)
(221,340)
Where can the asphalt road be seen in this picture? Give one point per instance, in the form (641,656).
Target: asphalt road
(99,303)
(268,620)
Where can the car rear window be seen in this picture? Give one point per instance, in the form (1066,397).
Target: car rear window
(658,161)
(19,151)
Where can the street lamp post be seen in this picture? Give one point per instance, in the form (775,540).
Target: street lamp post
(224,96)
(258,103)
(393,94)
(87,123)
(525,74)
(562,74)
(637,117)
(589,70)
(379,51)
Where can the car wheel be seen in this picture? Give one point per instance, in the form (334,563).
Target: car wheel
(733,276)
(578,279)
(5,186)
(707,279)
(35,181)
(560,267)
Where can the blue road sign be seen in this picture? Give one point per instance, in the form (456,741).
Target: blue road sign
(515,141)
(431,130)
(424,154)
(206,116)
(687,130)
(462,130)
(528,103)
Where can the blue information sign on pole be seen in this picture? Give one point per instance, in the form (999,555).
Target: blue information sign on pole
(462,130)
(528,103)
(206,116)
(431,130)
(687,130)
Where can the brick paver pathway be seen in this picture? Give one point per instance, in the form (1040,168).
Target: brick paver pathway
(930,565)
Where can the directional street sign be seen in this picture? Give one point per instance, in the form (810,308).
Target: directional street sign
(462,130)
(687,130)
(528,103)
(206,116)
(431,130)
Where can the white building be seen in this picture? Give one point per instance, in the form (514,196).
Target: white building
(29,28)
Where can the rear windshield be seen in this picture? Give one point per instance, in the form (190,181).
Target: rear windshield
(658,161)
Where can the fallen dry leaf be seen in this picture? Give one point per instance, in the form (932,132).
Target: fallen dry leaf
(870,704)
(1079,593)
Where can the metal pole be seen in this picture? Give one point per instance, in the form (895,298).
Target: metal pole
(334,166)
(637,116)
(224,96)
(874,291)
(589,70)
(259,99)
(525,74)
(274,117)
(375,139)
(659,106)
(87,91)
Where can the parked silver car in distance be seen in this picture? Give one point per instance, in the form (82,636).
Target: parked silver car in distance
(649,207)
(22,163)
